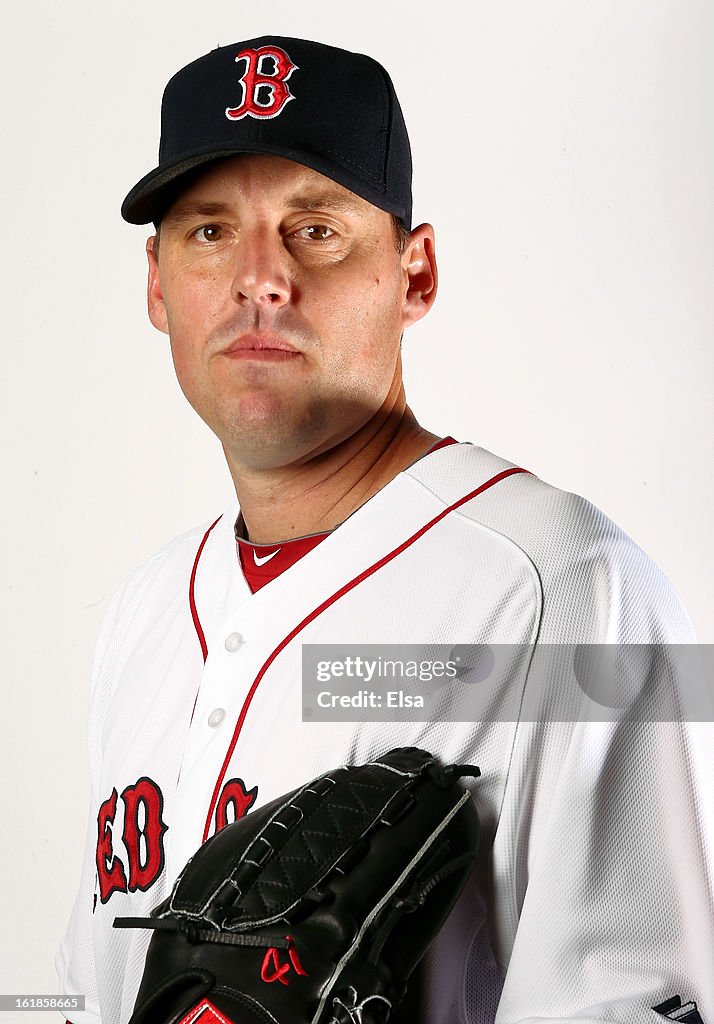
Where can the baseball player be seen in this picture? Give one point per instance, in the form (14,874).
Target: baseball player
(284,269)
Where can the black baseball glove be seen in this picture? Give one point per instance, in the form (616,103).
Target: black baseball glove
(316,908)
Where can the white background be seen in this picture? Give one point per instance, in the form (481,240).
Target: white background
(564,151)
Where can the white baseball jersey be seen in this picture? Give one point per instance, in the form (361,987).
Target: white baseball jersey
(592,896)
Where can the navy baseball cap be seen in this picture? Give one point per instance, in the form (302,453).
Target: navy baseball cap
(323,107)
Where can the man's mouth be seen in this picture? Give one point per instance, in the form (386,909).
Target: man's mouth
(260,346)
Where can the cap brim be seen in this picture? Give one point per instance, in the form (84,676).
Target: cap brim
(149,199)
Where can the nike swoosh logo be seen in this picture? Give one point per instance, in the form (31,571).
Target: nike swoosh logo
(266,558)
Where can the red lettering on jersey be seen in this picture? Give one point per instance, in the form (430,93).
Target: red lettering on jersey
(272,970)
(264,93)
(235,795)
(205,1013)
(110,871)
(145,865)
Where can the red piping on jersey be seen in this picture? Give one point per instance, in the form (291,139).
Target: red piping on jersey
(445,442)
(318,611)
(192,597)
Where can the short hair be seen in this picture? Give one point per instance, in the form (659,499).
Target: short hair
(402,234)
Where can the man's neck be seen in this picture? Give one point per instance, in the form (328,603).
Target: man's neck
(281,504)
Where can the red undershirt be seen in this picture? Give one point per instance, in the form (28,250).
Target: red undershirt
(262,563)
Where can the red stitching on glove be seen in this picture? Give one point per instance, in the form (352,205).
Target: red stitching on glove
(272,959)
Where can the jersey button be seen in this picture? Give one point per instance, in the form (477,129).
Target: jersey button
(216,717)
(234,641)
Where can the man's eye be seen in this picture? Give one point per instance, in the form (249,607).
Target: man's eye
(207,233)
(317,232)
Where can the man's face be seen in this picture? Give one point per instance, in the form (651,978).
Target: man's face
(285,299)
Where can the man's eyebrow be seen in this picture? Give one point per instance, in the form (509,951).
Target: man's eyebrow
(324,201)
(184,210)
(189,208)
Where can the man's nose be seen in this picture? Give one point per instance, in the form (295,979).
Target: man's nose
(260,273)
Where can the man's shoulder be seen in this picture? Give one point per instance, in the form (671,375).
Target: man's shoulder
(504,496)
(588,570)
(170,566)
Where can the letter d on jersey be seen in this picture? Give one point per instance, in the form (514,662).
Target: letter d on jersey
(142,839)
(264,93)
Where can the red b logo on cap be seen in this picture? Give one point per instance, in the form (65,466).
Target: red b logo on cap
(264,95)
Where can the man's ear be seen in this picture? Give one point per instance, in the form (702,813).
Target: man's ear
(419,263)
(154,295)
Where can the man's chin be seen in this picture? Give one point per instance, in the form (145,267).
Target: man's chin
(262,442)
(264,433)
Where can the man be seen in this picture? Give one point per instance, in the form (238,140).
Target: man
(284,269)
